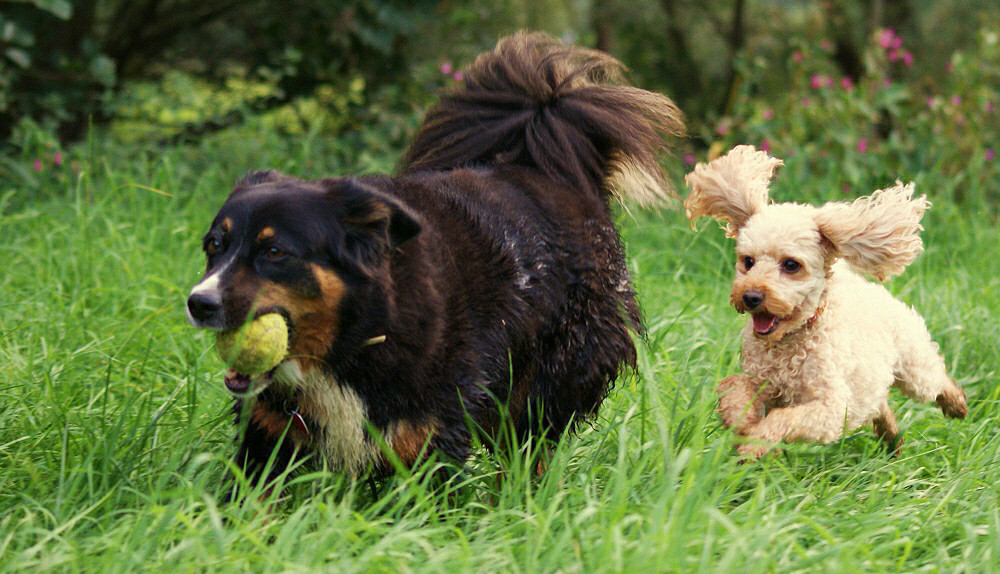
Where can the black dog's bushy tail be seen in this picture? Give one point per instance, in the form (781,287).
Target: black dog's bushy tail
(537,103)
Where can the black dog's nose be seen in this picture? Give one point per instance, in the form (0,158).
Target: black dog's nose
(753,299)
(203,308)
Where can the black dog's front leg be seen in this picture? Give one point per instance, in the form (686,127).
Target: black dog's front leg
(258,448)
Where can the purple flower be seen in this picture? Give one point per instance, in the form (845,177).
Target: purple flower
(956,101)
(907,59)
(459,76)
(57,159)
(990,155)
(38,166)
(689,159)
(765,146)
(847,83)
(862,145)
(446,68)
(722,129)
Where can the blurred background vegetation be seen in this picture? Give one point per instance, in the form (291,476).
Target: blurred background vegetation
(885,87)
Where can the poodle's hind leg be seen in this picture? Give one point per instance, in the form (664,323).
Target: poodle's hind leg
(887,430)
(922,376)
(741,401)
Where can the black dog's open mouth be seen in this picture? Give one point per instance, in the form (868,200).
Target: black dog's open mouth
(240,384)
(765,323)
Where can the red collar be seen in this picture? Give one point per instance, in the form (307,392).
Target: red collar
(816,315)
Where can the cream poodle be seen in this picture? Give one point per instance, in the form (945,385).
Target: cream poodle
(823,345)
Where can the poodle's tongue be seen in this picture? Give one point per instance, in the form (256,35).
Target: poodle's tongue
(764,323)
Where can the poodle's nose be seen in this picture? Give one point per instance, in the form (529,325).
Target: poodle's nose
(753,299)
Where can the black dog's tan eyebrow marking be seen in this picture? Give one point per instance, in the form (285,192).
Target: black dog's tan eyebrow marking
(265,234)
(226,225)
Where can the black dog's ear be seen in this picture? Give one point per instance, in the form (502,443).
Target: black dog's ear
(258,177)
(373,221)
(255,178)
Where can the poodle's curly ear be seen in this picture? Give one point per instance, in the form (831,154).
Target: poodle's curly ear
(731,188)
(879,234)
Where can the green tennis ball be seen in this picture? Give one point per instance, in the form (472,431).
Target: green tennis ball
(256,347)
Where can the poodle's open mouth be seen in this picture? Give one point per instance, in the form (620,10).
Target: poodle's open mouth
(764,323)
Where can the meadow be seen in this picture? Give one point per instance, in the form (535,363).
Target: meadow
(115,432)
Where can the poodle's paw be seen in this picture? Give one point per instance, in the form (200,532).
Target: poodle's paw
(753,451)
(952,403)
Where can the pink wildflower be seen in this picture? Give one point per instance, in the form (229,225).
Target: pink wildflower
(690,159)
(907,59)
(798,56)
(862,145)
(956,101)
(765,146)
(826,46)
(990,155)
(57,159)
(847,83)
(820,81)
(459,76)
(38,166)
(768,114)
(886,39)
(446,68)
(722,129)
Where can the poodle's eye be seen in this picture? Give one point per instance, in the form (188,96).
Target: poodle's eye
(790,266)
(748,262)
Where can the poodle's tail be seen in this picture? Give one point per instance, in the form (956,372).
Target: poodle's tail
(534,102)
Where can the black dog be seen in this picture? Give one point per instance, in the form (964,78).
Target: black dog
(484,285)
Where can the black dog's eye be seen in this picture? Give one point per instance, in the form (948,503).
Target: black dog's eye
(213,246)
(274,253)
(748,262)
(790,266)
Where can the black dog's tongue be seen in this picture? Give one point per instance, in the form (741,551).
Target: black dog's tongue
(237,383)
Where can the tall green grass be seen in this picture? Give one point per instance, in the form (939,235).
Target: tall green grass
(115,433)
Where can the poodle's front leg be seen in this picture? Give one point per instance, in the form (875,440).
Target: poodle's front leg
(815,421)
(742,401)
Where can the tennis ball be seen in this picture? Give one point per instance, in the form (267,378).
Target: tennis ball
(256,347)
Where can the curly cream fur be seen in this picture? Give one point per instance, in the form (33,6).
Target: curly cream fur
(824,345)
